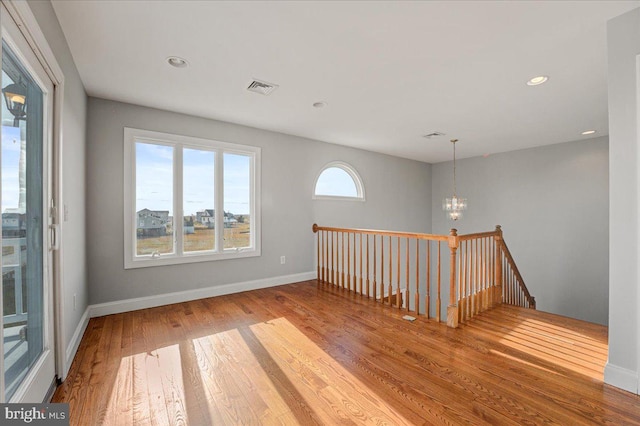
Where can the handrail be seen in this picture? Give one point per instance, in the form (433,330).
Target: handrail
(432,237)
(477,235)
(391,267)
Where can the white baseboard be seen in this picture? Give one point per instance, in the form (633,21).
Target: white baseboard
(127,305)
(74,343)
(621,378)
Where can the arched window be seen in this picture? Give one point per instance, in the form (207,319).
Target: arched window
(338,180)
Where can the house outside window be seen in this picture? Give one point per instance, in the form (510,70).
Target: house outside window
(183,196)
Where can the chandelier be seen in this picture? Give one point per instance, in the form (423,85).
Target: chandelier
(455,205)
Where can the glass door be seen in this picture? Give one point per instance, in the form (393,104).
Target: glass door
(28,356)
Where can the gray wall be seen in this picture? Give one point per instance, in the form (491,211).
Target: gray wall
(289,167)
(623,368)
(562,252)
(73,181)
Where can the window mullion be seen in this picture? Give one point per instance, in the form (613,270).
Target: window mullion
(219,194)
(178,219)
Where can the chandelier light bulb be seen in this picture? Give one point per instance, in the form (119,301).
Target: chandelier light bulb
(454,206)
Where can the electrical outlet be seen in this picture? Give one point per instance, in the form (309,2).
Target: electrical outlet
(74,301)
(283,260)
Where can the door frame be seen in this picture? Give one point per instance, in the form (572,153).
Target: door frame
(21,13)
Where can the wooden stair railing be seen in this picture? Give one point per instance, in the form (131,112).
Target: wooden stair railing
(515,292)
(391,267)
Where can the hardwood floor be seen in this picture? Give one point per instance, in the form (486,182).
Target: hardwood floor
(303,354)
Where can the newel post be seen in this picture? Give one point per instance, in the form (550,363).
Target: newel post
(452,309)
(497,299)
(314,228)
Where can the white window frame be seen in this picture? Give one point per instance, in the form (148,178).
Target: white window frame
(179,142)
(351,171)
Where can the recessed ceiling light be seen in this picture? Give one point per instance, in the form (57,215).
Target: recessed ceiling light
(177,62)
(588,132)
(535,81)
(320,104)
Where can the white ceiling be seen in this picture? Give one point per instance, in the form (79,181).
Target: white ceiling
(390,72)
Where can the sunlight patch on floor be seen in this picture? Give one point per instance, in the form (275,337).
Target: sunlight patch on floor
(151,385)
(328,387)
(555,345)
(235,382)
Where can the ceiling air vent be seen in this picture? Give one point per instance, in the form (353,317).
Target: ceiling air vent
(433,135)
(262,87)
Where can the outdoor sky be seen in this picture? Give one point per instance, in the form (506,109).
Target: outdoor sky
(335,181)
(154,177)
(10,163)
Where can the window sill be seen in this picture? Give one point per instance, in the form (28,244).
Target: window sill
(149,262)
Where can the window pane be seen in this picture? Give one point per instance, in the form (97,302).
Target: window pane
(334,181)
(199,200)
(22,220)
(154,199)
(237,201)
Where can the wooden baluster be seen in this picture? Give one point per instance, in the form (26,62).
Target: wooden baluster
(406,282)
(417,295)
(506,284)
(360,278)
(337,265)
(330,251)
(468,279)
(514,291)
(510,285)
(491,276)
(338,258)
(427,301)
(398,294)
(382,269)
(326,256)
(318,276)
(463,281)
(492,272)
(324,259)
(481,274)
(484,274)
(340,263)
(438,301)
(478,273)
(519,293)
(349,261)
(459,284)
(472,300)
(513,286)
(390,289)
(487,272)
(478,277)
(462,278)
(367,291)
(452,309)
(488,263)
(375,284)
(498,267)
(470,293)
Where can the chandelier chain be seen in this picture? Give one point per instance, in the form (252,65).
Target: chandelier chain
(454,169)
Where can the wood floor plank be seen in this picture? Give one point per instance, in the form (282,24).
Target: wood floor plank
(306,354)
